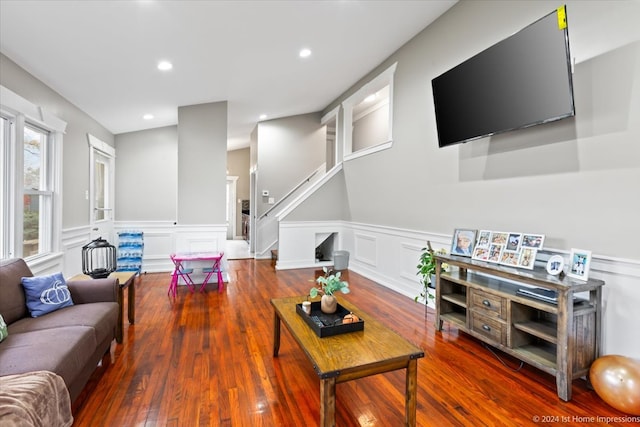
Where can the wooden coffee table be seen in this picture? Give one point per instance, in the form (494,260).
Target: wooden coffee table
(374,350)
(125,281)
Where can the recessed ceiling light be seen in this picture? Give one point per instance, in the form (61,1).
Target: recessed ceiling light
(263,116)
(165,65)
(305,53)
(148,116)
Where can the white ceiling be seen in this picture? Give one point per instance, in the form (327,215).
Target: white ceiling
(102,55)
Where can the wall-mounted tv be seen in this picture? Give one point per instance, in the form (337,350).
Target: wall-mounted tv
(521,81)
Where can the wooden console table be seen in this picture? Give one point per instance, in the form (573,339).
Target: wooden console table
(374,350)
(561,339)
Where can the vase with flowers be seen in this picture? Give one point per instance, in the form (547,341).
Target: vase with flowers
(329,284)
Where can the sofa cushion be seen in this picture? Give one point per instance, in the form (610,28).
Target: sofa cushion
(12,301)
(64,351)
(101,316)
(46,294)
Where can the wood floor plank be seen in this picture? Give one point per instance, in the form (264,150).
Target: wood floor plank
(205,359)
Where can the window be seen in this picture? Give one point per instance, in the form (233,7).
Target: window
(30,154)
(37,196)
(368,116)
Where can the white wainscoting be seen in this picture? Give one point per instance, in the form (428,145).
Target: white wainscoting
(389,256)
(160,240)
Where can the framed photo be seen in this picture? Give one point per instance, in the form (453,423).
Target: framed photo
(513,242)
(494,253)
(484,239)
(464,241)
(579,263)
(534,241)
(555,265)
(509,258)
(527,258)
(499,238)
(481,254)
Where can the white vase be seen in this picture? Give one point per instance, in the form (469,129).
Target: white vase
(328,304)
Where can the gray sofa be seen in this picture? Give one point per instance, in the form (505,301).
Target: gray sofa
(70,341)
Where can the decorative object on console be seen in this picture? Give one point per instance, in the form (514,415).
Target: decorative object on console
(616,379)
(555,265)
(463,242)
(579,263)
(514,249)
(329,284)
(98,258)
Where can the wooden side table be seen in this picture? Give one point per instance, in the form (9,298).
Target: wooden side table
(126,280)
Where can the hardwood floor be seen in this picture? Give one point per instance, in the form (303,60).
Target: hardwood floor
(206,360)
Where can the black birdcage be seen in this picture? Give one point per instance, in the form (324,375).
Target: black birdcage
(99,258)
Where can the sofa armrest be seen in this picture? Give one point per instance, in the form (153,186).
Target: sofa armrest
(93,290)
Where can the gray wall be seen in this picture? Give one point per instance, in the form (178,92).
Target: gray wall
(146,175)
(288,151)
(75,174)
(576,181)
(202,163)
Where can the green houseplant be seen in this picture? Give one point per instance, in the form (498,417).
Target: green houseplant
(330,283)
(427,271)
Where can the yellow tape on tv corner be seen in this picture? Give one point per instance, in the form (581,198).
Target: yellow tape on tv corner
(562,17)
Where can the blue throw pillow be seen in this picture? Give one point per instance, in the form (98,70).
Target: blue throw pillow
(46,294)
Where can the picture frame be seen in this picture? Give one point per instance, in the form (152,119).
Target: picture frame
(579,264)
(481,253)
(499,238)
(484,239)
(535,241)
(495,252)
(464,240)
(509,258)
(527,258)
(513,242)
(555,265)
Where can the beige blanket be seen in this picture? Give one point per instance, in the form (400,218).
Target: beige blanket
(34,399)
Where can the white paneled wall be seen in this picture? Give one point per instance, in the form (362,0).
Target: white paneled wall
(160,240)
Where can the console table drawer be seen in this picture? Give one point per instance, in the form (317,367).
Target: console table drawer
(488,304)
(490,328)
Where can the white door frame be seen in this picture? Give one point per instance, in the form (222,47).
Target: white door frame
(232,182)
(101,151)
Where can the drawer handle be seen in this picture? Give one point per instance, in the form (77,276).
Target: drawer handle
(486,303)
(486,328)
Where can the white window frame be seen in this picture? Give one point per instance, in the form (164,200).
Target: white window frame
(383,79)
(19,112)
(333,115)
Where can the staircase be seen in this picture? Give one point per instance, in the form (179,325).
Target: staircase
(267,225)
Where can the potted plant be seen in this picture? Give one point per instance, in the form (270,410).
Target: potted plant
(427,271)
(329,284)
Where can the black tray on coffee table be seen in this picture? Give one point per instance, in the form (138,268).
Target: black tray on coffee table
(326,325)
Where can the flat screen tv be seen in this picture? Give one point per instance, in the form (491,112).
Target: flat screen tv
(519,82)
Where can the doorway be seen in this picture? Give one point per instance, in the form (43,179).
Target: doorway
(101,189)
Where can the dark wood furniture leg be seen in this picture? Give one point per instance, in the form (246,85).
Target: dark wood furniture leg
(132,300)
(276,334)
(119,326)
(411,393)
(328,402)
